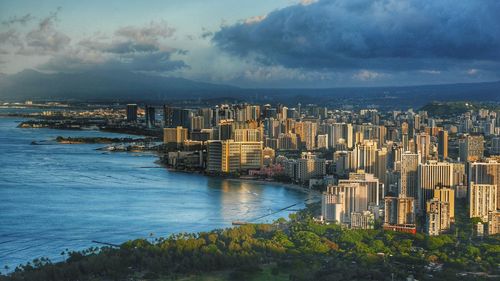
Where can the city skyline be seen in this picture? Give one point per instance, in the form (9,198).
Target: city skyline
(249,140)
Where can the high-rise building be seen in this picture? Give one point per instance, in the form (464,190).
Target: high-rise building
(408,183)
(197,123)
(437,217)
(175,136)
(493,223)
(131,112)
(443,144)
(459,174)
(322,141)
(288,141)
(471,148)
(375,190)
(246,135)
(381,164)
(495,145)
(354,199)
(423,145)
(310,166)
(447,195)
(214,156)
(487,172)
(431,175)
(150,116)
(307,131)
(399,214)
(208,115)
(337,131)
(366,156)
(331,206)
(482,200)
(230,156)
(168,115)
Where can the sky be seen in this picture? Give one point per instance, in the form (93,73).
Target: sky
(258,43)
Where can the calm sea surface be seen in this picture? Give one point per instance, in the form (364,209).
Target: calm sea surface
(56,197)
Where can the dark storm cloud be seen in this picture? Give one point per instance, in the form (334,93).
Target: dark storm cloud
(380,34)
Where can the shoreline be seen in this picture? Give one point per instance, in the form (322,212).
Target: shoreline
(291,186)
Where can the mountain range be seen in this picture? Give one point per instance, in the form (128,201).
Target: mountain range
(138,87)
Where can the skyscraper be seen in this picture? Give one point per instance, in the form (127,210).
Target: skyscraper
(131,112)
(423,144)
(375,189)
(471,148)
(366,156)
(437,217)
(175,136)
(399,214)
(482,200)
(431,175)
(332,208)
(307,131)
(230,156)
(408,183)
(150,117)
(443,144)
(354,199)
(310,166)
(447,195)
(487,172)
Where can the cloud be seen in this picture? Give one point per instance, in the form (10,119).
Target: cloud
(149,34)
(255,19)
(153,62)
(45,39)
(472,71)
(394,35)
(366,75)
(131,48)
(307,2)
(23,20)
(205,33)
(10,37)
(430,71)
(119,47)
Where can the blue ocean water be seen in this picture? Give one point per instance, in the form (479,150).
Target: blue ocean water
(56,197)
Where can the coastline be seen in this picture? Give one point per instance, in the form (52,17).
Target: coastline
(292,186)
(152,227)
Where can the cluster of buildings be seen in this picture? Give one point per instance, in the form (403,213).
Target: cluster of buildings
(405,169)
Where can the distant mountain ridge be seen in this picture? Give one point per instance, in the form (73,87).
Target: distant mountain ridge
(137,87)
(98,85)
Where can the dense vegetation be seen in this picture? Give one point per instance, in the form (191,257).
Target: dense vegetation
(456,108)
(298,249)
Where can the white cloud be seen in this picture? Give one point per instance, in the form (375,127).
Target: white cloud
(430,71)
(367,75)
(255,19)
(472,71)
